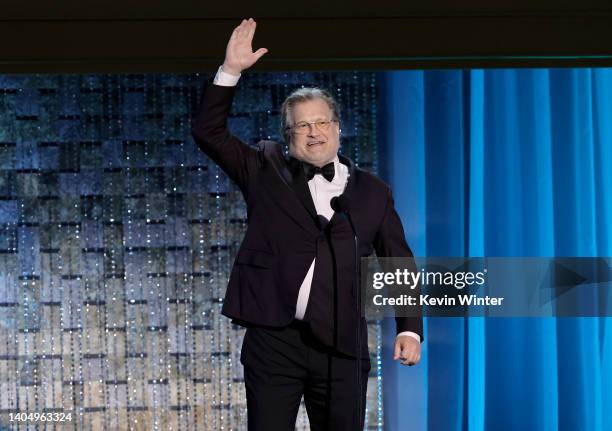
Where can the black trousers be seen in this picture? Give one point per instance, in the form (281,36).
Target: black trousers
(281,365)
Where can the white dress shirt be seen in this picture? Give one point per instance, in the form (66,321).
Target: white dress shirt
(322,191)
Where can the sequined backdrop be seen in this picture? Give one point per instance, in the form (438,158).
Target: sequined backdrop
(116,240)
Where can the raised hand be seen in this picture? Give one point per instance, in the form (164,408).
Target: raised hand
(239,53)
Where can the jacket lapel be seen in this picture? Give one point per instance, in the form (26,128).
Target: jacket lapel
(292,179)
(291,192)
(300,187)
(350,189)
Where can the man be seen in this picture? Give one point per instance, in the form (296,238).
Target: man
(292,284)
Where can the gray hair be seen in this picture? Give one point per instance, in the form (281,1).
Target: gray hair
(303,95)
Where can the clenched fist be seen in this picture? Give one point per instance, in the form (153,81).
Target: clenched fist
(407,350)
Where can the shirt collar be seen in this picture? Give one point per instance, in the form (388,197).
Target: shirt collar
(341,171)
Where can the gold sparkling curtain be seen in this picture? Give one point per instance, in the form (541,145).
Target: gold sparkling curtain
(116,240)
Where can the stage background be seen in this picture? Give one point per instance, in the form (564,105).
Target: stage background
(116,240)
(513,162)
(117,235)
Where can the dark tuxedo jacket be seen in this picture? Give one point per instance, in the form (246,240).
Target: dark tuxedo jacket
(284,234)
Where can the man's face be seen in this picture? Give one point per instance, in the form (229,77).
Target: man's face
(316,146)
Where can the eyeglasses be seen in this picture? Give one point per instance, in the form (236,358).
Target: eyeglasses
(303,127)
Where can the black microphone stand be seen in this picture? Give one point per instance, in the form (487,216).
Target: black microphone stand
(339,205)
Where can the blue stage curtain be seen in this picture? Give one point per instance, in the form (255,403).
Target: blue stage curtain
(501,163)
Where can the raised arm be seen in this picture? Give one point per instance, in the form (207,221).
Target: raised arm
(209,127)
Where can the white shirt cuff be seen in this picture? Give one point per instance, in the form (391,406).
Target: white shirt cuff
(410,334)
(225,79)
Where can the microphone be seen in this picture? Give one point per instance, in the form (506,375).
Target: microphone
(341,205)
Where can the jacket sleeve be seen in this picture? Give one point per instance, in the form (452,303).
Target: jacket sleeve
(391,242)
(210,132)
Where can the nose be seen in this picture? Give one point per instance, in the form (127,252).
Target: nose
(313,130)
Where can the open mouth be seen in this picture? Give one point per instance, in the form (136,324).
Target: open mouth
(310,144)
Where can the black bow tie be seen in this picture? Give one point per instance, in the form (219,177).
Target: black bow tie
(327,171)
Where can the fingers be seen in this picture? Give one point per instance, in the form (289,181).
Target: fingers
(250,29)
(413,353)
(397,351)
(407,351)
(239,53)
(259,53)
(239,30)
(411,359)
(246,29)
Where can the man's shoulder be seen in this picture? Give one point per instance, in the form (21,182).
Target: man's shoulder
(372,180)
(270,146)
(271,151)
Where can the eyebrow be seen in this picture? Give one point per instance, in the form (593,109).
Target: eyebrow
(316,119)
